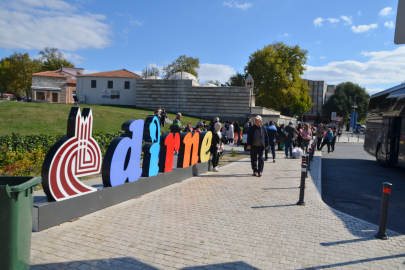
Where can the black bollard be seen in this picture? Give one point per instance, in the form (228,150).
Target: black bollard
(382,231)
(304,161)
(313,152)
(307,159)
(302,186)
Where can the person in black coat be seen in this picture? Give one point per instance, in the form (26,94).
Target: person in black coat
(272,133)
(216,145)
(257,142)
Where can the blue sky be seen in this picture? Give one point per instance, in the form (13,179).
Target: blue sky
(346,40)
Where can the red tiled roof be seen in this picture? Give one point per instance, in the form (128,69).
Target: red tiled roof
(122,73)
(49,74)
(71,82)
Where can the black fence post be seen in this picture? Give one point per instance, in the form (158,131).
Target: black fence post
(382,231)
(302,186)
(307,159)
(304,161)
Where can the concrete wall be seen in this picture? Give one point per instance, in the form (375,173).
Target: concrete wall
(93,95)
(38,81)
(227,103)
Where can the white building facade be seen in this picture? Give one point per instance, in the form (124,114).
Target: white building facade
(111,87)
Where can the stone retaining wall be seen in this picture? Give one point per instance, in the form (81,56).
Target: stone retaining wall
(228,103)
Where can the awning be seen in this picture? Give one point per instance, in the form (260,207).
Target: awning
(46,88)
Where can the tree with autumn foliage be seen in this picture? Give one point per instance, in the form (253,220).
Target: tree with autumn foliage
(277,70)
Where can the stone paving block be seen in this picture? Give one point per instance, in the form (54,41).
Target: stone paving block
(224,220)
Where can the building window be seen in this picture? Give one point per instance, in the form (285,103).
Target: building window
(320,88)
(110,84)
(126,85)
(93,84)
(73,95)
(40,96)
(320,98)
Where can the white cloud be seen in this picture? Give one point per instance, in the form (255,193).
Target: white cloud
(347,19)
(386,43)
(76,59)
(318,42)
(87,71)
(133,22)
(389,24)
(215,72)
(385,11)
(285,35)
(372,91)
(363,28)
(235,4)
(36,24)
(359,13)
(322,57)
(333,20)
(384,67)
(318,21)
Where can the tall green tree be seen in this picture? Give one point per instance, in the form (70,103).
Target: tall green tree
(276,70)
(15,73)
(342,101)
(53,59)
(183,63)
(237,80)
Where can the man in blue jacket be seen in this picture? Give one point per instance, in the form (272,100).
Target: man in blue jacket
(257,142)
(272,133)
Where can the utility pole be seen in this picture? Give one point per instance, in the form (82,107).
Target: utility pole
(354,114)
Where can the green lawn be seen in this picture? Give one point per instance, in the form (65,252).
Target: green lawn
(27,118)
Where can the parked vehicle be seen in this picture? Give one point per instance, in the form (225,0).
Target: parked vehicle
(385,133)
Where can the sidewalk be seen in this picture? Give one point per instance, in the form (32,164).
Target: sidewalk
(225,220)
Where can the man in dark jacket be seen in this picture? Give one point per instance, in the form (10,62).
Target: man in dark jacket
(257,142)
(289,141)
(237,131)
(272,133)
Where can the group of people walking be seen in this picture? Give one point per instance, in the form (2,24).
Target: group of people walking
(326,137)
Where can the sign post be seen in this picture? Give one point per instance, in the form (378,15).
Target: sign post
(333,117)
(400,24)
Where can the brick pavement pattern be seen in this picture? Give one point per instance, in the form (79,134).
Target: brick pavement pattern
(225,220)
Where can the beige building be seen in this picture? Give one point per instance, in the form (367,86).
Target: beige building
(58,86)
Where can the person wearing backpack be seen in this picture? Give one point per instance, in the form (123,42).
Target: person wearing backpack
(334,139)
(327,139)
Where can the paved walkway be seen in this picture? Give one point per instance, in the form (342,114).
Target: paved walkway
(225,220)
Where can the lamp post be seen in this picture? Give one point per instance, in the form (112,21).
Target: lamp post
(354,113)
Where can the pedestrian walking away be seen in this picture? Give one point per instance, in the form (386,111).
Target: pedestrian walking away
(231,133)
(334,139)
(328,138)
(306,137)
(319,135)
(290,130)
(237,131)
(272,133)
(216,145)
(257,142)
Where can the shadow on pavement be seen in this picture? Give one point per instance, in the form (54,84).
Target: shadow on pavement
(131,263)
(327,244)
(281,188)
(270,206)
(355,262)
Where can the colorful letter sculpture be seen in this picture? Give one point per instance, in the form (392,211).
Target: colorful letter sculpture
(169,142)
(205,145)
(151,134)
(76,154)
(188,154)
(123,157)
